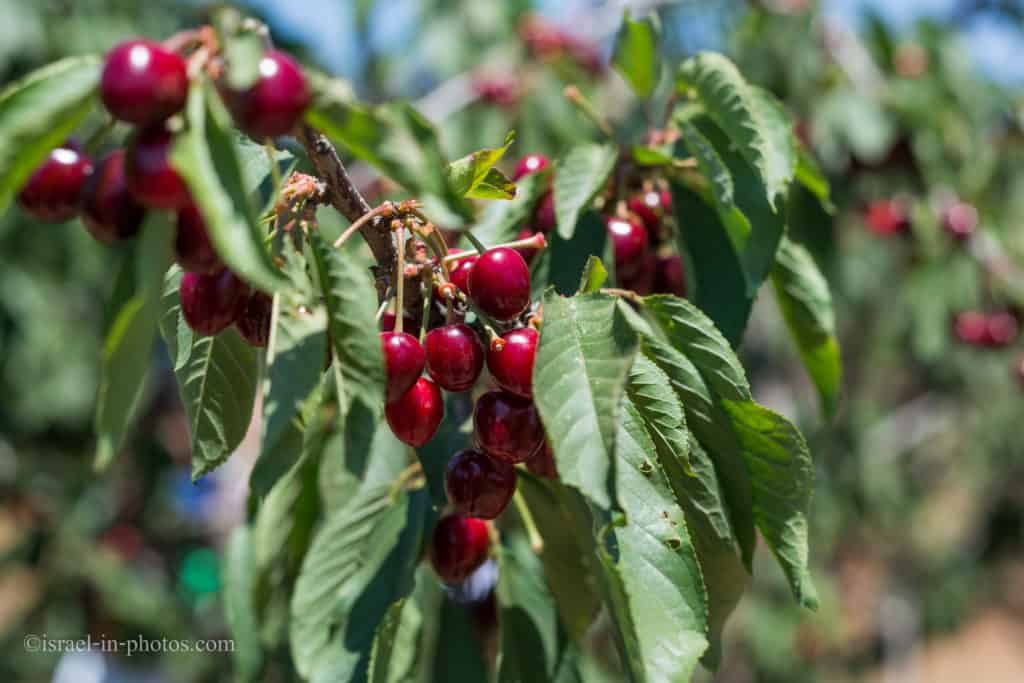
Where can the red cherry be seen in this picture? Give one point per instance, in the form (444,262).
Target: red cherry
(403,362)
(143,82)
(886,217)
(210,303)
(254,323)
(192,246)
(497,90)
(629,241)
(151,178)
(108,208)
(416,414)
(454,356)
(410,323)
(1018,368)
(459,271)
(543,463)
(641,279)
(507,426)
(649,207)
(53,191)
(510,360)
(960,220)
(499,283)
(669,277)
(971,327)
(458,547)
(478,485)
(276,102)
(529,164)
(544,217)
(1001,329)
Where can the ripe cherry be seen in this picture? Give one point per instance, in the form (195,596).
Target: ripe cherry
(415,415)
(650,207)
(151,178)
(109,210)
(210,303)
(458,547)
(455,356)
(53,191)
(1001,329)
(458,272)
(143,82)
(544,217)
(192,246)
(478,485)
(641,279)
(971,327)
(669,277)
(529,164)
(254,322)
(499,283)
(507,426)
(629,242)
(960,220)
(543,463)
(275,102)
(887,217)
(510,360)
(403,362)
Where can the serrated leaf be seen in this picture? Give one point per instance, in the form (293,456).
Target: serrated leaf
(806,304)
(351,300)
(651,393)
(782,481)
(38,112)
(635,55)
(654,589)
(593,277)
(240,576)
(752,119)
(583,359)
(465,175)
(581,175)
(206,157)
(217,380)
(128,347)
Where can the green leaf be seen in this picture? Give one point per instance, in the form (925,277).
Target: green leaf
(651,394)
(586,349)
(806,304)
(593,277)
(351,300)
(465,175)
(501,221)
(240,578)
(651,156)
(217,380)
(128,348)
(655,592)
(782,481)
(581,176)
(812,178)
(635,55)
(752,118)
(206,157)
(243,48)
(404,648)
(493,186)
(459,652)
(38,112)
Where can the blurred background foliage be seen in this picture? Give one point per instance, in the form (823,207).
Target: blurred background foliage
(918,520)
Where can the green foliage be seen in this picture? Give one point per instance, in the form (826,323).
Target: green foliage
(636,54)
(581,175)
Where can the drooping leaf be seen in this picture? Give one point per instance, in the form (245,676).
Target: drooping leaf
(205,154)
(752,119)
(240,577)
(635,55)
(493,186)
(465,175)
(583,359)
(217,380)
(806,304)
(581,175)
(128,348)
(38,112)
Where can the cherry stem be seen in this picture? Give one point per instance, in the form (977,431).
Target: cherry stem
(399,275)
(536,541)
(535,241)
(573,94)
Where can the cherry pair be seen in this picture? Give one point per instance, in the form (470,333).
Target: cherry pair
(211,302)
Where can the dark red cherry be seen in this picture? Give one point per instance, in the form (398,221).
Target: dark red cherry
(143,82)
(971,327)
(458,547)
(641,279)
(507,426)
(648,206)
(629,242)
(54,190)
(210,303)
(459,271)
(109,210)
(669,277)
(499,283)
(544,218)
(410,323)
(887,217)
(403,362)
(192,246)
(529,164)
(1001,329)
(151,178)
(455,356)
(543,463)
(415,415)
(254,323)
(510,360)
(276,102)
(960,220)
(478,485)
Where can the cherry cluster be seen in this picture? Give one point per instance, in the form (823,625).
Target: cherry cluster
(995,330)
(891,216)
(145,84)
